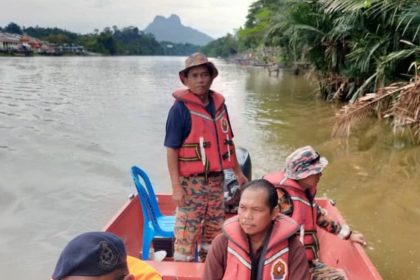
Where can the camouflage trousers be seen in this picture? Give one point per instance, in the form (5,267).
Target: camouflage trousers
(200,217)
(320,271)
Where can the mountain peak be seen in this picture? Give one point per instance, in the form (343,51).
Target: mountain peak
(172,30)
(174,19)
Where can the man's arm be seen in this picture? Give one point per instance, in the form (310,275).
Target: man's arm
(342,231)
(285,202)
(325,222)
(298,264)
(240,177)
(215,265)
(176,130)
(172,161)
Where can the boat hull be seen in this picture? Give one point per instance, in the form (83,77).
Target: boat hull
(351,257)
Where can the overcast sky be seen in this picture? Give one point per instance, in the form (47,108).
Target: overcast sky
(216,18)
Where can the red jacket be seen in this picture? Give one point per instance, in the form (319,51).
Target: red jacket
(209,146)
(274,264)
(304,211)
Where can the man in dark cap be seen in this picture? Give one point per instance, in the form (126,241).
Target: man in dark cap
(199,147)
(99,256)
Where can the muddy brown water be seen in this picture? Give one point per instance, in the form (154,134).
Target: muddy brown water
(70,129)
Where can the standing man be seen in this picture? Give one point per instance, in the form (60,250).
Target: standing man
(296,188)
(258,243)
(199,147)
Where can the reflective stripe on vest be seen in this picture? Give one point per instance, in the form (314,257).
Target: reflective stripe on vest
(245,262)
(275,252)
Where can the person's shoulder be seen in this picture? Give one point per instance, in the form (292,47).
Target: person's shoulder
(216,92)
(142,270)
(178,104)
(294,240)
(220,239)
(218,249)
(281,189)
(295,246)
(286,226)
(220,242)
(178,108)
(181,106)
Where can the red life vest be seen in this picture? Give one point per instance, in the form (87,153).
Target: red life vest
(304,212)
(275,255)
(211,136)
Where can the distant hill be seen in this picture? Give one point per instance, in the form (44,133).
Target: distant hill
(171,29)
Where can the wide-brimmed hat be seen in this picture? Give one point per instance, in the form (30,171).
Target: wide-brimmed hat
(91,254)
(194,60)
(304,162)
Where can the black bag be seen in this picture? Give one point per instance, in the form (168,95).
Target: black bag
(232,190)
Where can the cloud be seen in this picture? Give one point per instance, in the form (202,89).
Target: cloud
(102,3)
(213,17)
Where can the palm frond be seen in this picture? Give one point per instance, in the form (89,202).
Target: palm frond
(361,89)
(352,114)
(399,101)
(332,6)
(406,111)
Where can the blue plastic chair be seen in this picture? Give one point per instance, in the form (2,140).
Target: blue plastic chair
(154,224)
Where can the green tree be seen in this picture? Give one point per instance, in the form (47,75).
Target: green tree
(55,34)
(106,43)
(224,47)
(13,28)
(256,26)
(355,46)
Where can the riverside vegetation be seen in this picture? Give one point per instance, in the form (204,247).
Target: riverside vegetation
(365,52)
(110,41)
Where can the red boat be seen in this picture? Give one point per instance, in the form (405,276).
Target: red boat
(350,257)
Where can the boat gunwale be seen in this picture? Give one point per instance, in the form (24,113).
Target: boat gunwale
(120,223)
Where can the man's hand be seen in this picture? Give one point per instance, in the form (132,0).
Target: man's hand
(358,238)
(239,175)
(241,178)
(177,194)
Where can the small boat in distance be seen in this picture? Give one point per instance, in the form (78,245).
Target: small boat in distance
(128,224)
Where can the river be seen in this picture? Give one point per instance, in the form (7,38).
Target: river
(71,127)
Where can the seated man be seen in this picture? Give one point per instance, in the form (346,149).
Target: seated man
(100,256)
(296,188)
(258,243)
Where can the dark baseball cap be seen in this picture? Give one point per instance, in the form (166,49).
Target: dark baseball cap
(91,254)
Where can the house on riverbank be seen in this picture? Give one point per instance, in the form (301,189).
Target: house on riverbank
(11,44)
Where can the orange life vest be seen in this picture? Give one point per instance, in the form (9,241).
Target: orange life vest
(209,146)
(304,212)
(274,262)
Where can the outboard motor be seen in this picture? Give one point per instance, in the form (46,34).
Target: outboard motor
(231,186)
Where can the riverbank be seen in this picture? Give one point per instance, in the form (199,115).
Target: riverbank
(50,54)
(397,103)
